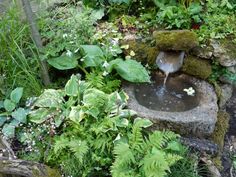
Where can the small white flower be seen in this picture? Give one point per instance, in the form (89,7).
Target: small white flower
(105,73)
(190,91)
(105,64)
(65,35)
(69,53)
(76,50)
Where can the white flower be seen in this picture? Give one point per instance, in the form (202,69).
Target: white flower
(65,35)
(190,91)
(105,73)
(76,50)
(69,53)
(105,64)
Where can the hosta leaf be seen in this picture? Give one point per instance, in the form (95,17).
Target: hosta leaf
(3,119)
(63,62)
(20,115)
(49,98)
(40,115)
(94,98)
(16,94)
(144,123)
(93,55)
(9,105)
(130,70)
(97,14)
(72,86)
(8,130)
(76,114)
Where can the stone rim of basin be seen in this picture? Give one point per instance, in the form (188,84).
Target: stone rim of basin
(199,121)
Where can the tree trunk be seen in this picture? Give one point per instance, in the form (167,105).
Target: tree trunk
(37,39)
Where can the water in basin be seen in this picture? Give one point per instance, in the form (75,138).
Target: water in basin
(170,97)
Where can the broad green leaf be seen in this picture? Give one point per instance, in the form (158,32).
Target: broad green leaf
(16,94)
(9,105)
(8,130)
(144,123)
(97,14)
(174,146)
(72,86)
(120,122)
(20,115)
(63,62)
(76,114)
(126,113)
(3,119)
(40,115)
(59,120)
(93,111)
(94,98)
(1,104)
(50,98)
(93,55)
(130,70)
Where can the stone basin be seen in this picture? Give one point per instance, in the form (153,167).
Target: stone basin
(195,116)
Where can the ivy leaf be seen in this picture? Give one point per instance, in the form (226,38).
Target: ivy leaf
(8,130)
(16,94)
(9,105)
(93,55)
(50,98)
(20,115)
(63,62)
(72,86)
(130,70)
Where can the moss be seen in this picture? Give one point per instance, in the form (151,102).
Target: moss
(229,46)
(217,162)
(48,171)
(143,51)
(197,67)
(221,128)
(175,39)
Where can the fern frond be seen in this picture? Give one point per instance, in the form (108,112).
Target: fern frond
(154,164)
(95,79)
(60,144)
(136,138)
(172,158)
(80,148)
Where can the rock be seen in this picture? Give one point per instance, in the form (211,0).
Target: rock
(226,93)
(227,80)
(197,67)
(198,121)
(225,52)
(142,49)
(201,145)
(175,39)
(232,69)
(202,52)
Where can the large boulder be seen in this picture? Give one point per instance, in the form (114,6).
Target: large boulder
(197,67)
(175,39)
(224,52)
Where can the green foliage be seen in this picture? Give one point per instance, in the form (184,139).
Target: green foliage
(146,156)
(178,16)
(19,60)
(11,115)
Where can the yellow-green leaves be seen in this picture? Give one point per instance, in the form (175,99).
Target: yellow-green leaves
(72,86)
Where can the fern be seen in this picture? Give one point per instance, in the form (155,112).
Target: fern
(60,144)
(79,148)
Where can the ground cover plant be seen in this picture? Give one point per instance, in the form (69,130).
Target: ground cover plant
(80,124)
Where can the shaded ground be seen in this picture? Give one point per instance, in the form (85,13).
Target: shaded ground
(230,140)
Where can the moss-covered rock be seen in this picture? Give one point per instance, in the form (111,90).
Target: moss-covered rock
(197,67)
(221,128)
(143,51)
(175,39)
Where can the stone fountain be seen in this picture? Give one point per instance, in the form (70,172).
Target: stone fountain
(184,104)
